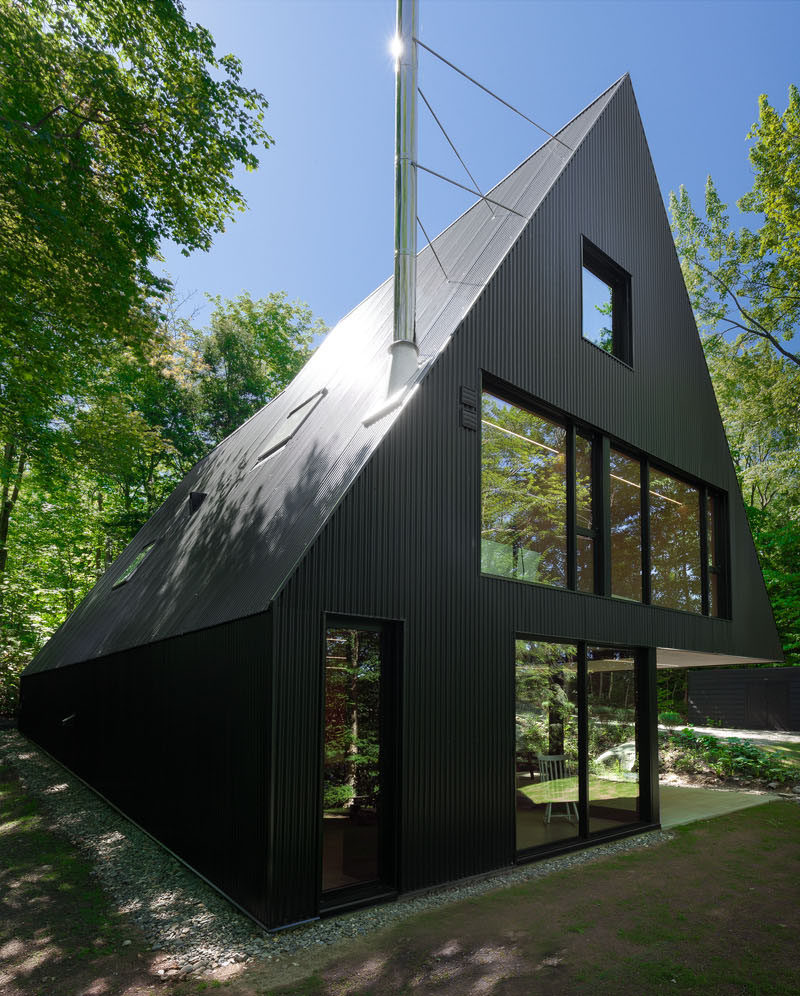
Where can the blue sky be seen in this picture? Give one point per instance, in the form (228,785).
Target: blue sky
(319,224)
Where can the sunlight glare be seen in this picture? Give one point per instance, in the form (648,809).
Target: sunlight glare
(396,47)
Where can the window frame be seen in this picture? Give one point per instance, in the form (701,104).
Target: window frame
(602,444)
(618,280)
(645,710)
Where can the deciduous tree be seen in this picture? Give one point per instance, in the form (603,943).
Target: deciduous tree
(121,127)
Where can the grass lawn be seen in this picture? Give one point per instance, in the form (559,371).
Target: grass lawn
(713,912)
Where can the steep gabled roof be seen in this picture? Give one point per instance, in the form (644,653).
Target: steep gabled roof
(231,557)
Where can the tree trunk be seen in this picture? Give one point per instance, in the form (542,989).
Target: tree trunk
(99,549)
(11,473)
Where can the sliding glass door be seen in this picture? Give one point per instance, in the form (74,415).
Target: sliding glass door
(577,744)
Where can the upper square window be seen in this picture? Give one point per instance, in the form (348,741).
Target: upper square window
(606,294)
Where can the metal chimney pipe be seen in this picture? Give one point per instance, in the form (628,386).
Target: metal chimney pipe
(404,346)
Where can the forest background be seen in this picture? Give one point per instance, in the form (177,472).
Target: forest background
(121,127)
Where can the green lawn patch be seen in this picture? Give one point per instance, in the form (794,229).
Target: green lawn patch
(713,911)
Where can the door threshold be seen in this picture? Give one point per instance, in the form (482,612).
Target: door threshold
(356,899)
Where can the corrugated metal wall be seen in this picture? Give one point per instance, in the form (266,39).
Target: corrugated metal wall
(176,735)
(404,542)
(722,697)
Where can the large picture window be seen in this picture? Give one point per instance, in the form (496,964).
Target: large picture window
(561,505)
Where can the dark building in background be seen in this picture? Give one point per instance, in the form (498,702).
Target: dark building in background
(355,656)
(746,698)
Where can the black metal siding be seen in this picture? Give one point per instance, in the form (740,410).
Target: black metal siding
(232,750)
(719,696)
(404,542)
(176,735)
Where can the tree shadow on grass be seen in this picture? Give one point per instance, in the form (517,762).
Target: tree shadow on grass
(59,935)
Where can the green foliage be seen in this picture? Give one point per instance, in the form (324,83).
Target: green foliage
(672,691)
(745,290)
(252,350)
(121,127)
(778,542)
(670,718)
(685,751)
(111,461)
(748,282)
(758,394)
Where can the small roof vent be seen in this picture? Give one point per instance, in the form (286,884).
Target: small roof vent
(284,432)
(195,500)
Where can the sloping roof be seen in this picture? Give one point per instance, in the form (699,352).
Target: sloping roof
(231,557)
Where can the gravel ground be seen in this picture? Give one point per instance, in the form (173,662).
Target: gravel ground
(194,926)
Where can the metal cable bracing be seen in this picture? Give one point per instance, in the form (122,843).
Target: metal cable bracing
(469,190)
(452,146)
(491,93)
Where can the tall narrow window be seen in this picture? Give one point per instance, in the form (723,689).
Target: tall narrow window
(352,763)
(523,494)
(606,292)
(626,526)
(675,571)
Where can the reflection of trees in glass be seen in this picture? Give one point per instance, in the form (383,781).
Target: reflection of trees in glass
(352,703)
(523,490)
(675,543)
(626,527)
(611,702)
(546,697)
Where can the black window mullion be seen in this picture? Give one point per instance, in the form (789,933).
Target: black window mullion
(583,745)
(705,600)
(647,593)
(647,733)
(571,523)
(723,552)
(602,489)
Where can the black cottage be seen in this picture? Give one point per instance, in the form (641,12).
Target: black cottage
(354,656)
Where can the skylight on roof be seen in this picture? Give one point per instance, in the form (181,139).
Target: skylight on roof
(284,432)
(134,565)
